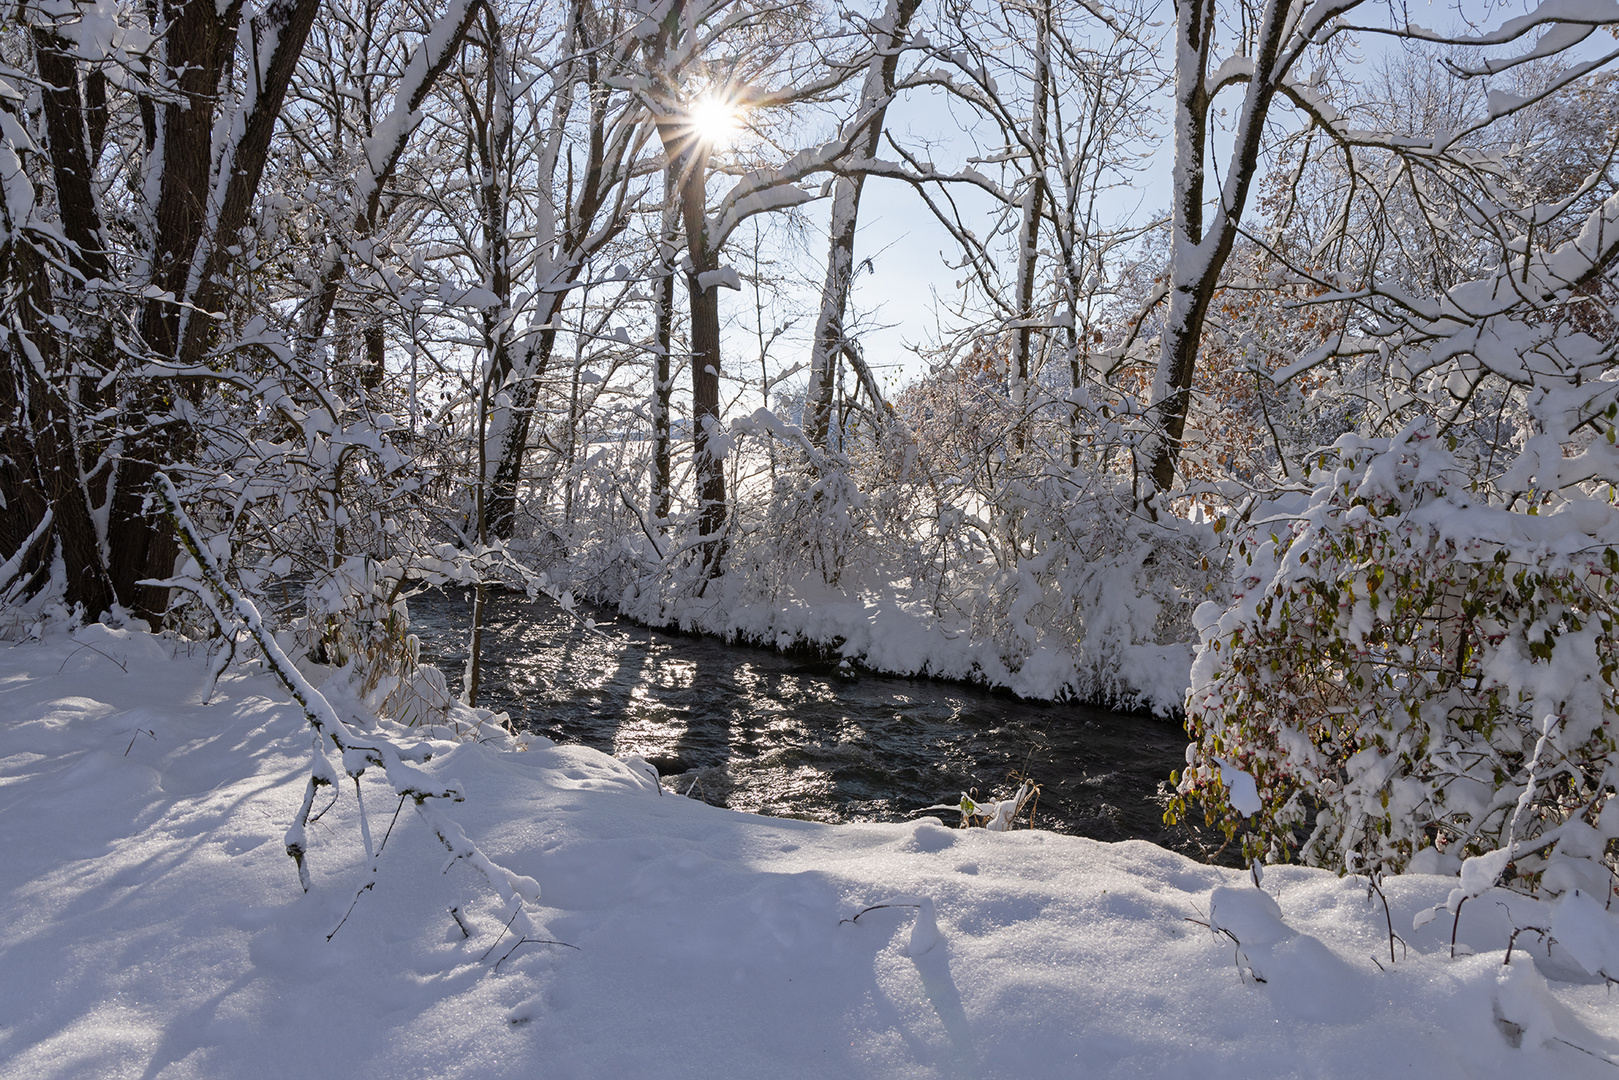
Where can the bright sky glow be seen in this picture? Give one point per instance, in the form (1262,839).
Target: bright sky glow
(716,120)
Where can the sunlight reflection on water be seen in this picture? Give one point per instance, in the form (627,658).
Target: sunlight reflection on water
(761,732)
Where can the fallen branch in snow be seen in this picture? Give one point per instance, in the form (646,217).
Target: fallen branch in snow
(374,858)
(924,932)
(531,941)
(875,907)
(398,764)
(148,732)
(1575,1046)
(523,940)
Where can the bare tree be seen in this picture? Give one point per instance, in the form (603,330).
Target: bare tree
(1283,51)
(769,65)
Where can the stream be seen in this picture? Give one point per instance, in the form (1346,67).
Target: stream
(758,731)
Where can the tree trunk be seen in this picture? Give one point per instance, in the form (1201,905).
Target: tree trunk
(1019,372)
(705,409)
(43,470)
(662,379)
(826,347)
(520,393)
(46,469)
(374,364)
(690,157)
(1199,255)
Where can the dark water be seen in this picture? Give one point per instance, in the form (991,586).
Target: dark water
(754,730)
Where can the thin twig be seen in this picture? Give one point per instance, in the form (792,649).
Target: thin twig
(876,907)
(1372,883)
(122,664)
(352,905)
(1512,940)
(391,821)
(532,941)
(1583,1050)
(325,808)
(500,935)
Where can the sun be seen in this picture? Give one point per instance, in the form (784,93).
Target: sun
(715,120)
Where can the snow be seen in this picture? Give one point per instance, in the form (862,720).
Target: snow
(1108,654)
(1241,788)
(725,277)
(151,924)
(1583,926)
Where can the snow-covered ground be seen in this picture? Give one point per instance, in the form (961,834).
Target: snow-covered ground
(151,925)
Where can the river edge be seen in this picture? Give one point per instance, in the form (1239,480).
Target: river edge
(836,652)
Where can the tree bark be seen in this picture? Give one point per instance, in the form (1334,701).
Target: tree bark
(65,129)
(520,391)
(43,470)
(689,156)
(1029,227)
(826,348)
(1199,255)
(662,379)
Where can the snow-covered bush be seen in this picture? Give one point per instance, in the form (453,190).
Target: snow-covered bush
(358,622)
(1086,571)
(811,524)
(1429,676)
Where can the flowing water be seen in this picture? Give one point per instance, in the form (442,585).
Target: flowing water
(758,731)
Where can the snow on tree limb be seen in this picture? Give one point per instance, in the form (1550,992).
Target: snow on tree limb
(358,750)
(385,146)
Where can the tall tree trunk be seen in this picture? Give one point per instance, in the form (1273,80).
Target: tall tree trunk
(1198,255)
(50,477)
(65,128)
(43,472)
(689,156)
(1019,372)
(662,379)
(826,347)
(198,214)
(686,156)
(493,125)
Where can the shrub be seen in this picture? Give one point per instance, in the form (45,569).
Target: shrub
(1428,675)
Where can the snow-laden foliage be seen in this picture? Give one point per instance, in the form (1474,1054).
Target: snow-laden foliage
(949,538)
(1426,676)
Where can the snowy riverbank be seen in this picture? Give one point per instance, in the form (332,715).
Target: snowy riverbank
(151,925)
(1106,669)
